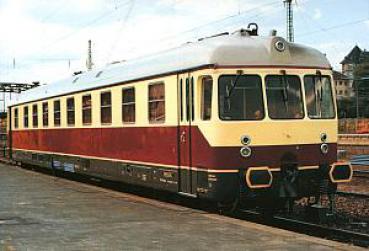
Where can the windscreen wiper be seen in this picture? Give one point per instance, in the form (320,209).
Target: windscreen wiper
(285,90)
(233,86)
(320,96)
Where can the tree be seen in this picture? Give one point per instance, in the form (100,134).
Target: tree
(361,86)
(361,70)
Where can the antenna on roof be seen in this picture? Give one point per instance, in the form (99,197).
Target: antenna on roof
(89,63)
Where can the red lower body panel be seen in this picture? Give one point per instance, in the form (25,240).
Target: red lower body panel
(159,145)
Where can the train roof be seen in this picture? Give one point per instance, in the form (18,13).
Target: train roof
(236,49)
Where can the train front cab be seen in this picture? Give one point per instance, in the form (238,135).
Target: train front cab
(266,133)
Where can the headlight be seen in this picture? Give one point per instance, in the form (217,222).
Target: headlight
(324,148)
(323,137)
(245,151)
(280,46)
(245,140)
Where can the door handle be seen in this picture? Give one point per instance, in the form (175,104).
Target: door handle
(183,137)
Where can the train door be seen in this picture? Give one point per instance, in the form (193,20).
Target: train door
(186,116)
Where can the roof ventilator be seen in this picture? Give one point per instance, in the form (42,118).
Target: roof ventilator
(273,33)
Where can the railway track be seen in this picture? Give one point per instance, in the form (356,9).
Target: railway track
(353,194)
(360,160)
(361,174)
(309,228)
(278,221)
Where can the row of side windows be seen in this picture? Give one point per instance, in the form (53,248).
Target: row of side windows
(156,105)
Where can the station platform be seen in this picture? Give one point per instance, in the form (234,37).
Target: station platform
(42,212)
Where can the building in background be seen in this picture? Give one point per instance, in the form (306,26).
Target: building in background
(343,85)
(352,89)
(356,57)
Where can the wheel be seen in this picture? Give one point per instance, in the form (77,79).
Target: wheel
(228,207)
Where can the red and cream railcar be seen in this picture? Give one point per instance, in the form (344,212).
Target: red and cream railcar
(235,115)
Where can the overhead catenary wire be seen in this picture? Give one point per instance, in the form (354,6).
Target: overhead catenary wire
(66,36)
(55,11)
(119,5)
(234,19)
(223,19)
(168,38)
(70,34)
(334,27)
(311,22)
(123,24)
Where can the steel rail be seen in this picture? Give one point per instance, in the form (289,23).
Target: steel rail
(353,194)
(304,227)
(361,173)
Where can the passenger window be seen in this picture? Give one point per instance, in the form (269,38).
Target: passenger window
(45,114)
(34,116)
(86,110)
(128,105)
(57,113)
(70,112)
(16,118)
(240,97)
(105,98)
(157,103)
(206,96)
(25,117)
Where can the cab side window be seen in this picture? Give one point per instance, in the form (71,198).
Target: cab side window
(206,97)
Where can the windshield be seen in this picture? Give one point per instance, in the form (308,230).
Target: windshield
(284,97)
(240,97)
(319,99)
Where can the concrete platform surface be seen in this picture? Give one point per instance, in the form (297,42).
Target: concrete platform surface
(41,212)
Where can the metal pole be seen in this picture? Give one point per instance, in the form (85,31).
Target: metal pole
(357,101)
(89,56)
(289,20)
(357,106)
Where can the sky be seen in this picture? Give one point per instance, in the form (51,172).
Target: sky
(46,40)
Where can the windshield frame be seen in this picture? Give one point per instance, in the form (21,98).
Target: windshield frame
(262,99)
(332,96)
